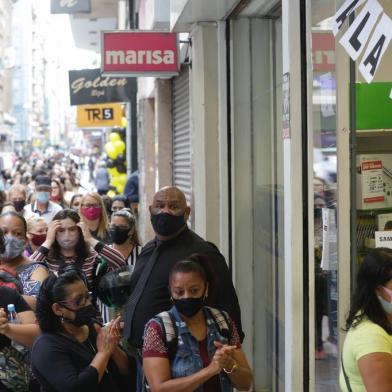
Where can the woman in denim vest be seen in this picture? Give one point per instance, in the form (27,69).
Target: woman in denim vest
(204,352)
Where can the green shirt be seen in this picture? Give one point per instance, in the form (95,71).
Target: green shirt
(366,338)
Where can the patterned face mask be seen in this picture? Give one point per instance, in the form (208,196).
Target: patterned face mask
(14,247)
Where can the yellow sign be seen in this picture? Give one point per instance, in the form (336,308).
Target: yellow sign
(103,115)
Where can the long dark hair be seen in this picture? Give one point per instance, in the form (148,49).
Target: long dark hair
(53,289)
(81,249)
(199,264)
(374,271)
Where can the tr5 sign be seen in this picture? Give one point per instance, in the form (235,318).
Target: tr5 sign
(137,53)
(98,116)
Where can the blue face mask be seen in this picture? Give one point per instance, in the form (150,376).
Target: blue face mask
(387,306)
(43,197)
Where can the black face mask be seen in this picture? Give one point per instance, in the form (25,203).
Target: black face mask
(318,213)
(167,224)
(189,306)
(118,235)
(83,316)
(19,205)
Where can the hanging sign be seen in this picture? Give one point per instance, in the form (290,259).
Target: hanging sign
(343,13)
(69,6)
(376,48)
(98,116)
(88,86)
(139,53)
(357,35)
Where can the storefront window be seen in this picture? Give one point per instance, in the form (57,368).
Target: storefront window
(324,136)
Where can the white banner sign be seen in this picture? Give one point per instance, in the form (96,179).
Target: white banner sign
(358,33)
(376,48)
(344,11)
(383,239)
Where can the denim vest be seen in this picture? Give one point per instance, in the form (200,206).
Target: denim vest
(187,360)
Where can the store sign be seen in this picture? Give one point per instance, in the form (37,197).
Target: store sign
(70,6)
(88,86)
(106,115)
(383,239)
(136,53)
(368,30)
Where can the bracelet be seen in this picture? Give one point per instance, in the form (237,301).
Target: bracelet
(233,368)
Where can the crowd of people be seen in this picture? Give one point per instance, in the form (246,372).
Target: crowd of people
(97,311)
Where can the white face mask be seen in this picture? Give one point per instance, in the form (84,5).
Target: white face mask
(66,241)
(387,306)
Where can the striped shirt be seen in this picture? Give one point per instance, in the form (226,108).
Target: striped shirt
(131,259)
(112,256)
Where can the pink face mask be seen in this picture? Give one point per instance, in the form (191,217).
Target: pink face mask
(91,213)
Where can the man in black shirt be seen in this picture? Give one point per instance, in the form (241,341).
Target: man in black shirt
(174,241)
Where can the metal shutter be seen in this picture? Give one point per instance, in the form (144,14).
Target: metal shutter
(182,172)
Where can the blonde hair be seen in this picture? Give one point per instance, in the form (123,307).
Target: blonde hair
(104,221)
(32,221)
(17,188)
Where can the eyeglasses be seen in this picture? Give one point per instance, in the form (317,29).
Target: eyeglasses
(79,302)
(114,227)
(90,205)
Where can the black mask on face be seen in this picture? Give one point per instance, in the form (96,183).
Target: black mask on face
(167,224)
(19,205)
(118,235)
(189,306)
(83,316)
(318,213)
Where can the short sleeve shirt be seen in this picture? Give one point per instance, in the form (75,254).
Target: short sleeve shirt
(365,338)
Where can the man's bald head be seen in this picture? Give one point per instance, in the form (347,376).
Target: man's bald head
(169,208)
(171,193)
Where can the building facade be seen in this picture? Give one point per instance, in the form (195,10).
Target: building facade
(268,146)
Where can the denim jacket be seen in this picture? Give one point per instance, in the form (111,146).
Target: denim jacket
(187,359)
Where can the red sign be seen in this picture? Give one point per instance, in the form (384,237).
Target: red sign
(323,51)
(136,53)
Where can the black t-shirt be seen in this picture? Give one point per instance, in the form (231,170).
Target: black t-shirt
(10,296)
(62,364)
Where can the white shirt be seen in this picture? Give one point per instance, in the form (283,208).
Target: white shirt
(30,210)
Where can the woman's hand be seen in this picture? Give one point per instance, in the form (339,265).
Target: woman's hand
(51,234)
(4,325)
(224,355)
(108,337)
(87,234)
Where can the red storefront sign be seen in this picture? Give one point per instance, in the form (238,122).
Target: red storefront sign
(136,53)
(323,51)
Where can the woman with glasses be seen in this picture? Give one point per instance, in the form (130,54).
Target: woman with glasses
(93,213)
(123,235)
(69,243)
(367,350)
(57,194)
(74,353)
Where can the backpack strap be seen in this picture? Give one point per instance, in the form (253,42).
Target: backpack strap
(221,321)
(346,376)
(170,332)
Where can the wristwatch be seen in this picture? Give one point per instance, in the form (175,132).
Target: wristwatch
(233,368)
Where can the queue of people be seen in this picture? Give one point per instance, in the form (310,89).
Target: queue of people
(60,248)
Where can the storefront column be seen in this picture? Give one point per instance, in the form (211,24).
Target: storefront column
(293,202)
(205,138)
(146,148)
(163,133)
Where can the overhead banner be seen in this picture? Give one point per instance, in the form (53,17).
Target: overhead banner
(139,53)
(69,6)
(99,116)
(88,86)
(343,13)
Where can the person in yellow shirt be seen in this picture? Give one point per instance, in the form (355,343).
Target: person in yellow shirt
(366,363)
